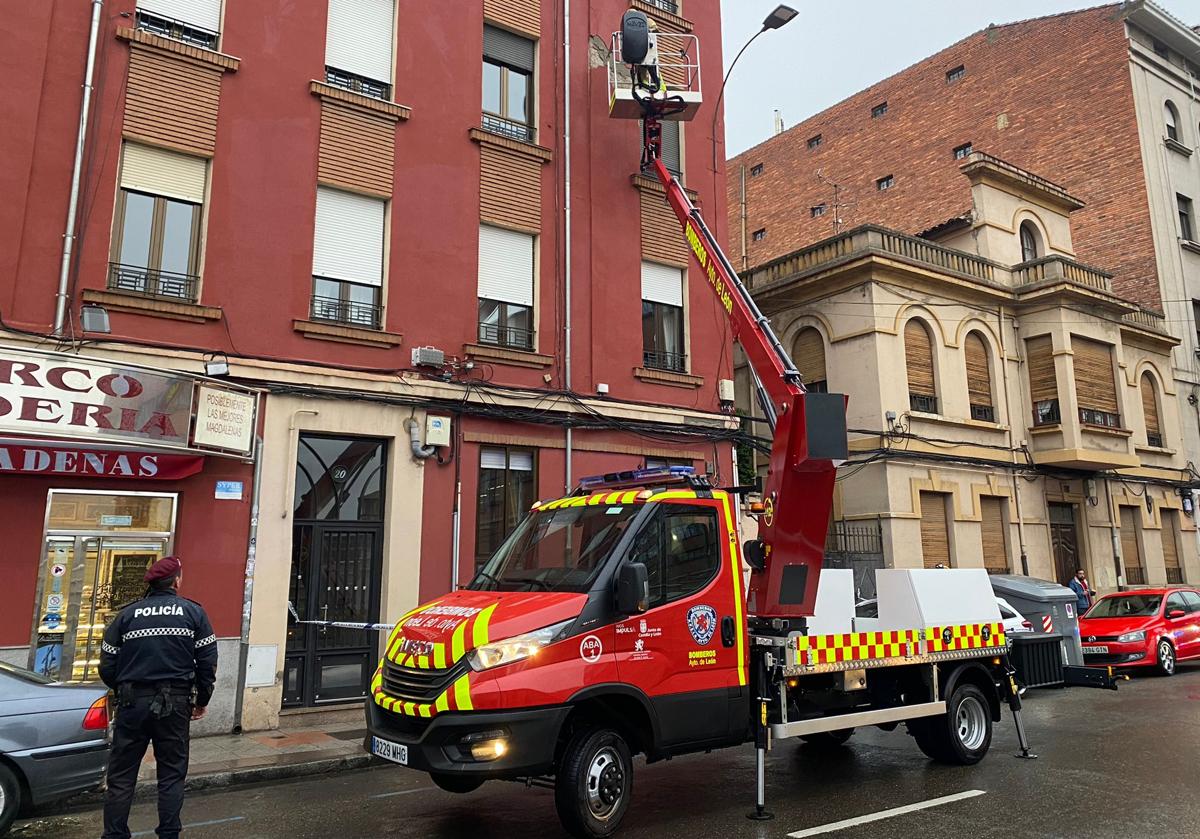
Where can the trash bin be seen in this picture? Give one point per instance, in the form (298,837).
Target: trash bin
(1040,656)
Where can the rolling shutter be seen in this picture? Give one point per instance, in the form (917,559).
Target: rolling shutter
(359,38)
(918,359)
(348,244)
(493,459)
(1150,406)
(995,546)
(809,354)
(1130,553)
(520,461)
(1039,356)
(505,47)
(205,14)
(505,265)
(935,538)
(662,284)
(671,148)
(1094,384)
(153,170)
(979,376)
(1170,526)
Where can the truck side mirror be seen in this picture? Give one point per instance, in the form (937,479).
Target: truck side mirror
(755,554)
(633,589)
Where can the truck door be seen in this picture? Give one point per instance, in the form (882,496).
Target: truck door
(687,651)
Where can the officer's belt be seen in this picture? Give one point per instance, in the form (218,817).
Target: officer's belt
(139,689)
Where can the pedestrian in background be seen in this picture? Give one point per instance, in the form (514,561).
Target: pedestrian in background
(160,657)
(1083,592)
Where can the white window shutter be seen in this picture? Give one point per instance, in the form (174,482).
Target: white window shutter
(662,284)
(206,14)
(160,172)
(520,461)
(349,237)
(505,265)
(492,459)
(359,38)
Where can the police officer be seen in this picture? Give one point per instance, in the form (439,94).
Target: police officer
(160,657)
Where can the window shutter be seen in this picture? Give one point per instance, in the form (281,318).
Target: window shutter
(505,265)
(520,461)
(1150,405)
(348,244)
(1130,554)
(935,538)
(1039,357)
(810,355)
(205,14)
(662,284)
(1170,526)
(979,376)
(995,546)
(671,147)
(493,459)
(359,38)
(918,359)
(508,48)
(1094,384)
(153,170)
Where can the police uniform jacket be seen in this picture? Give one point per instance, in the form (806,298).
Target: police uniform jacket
(161,639)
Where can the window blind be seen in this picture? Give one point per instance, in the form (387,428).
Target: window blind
(662,284)
(1150,405)
(935,538)
(995,546)
(359,37)
(918,359)
(1170,526)
(1039,357)
(505,265)
(1130,553)
(205,14)
(520,461)
(1094,375)
(160,172)
(493,459)
(508,48)
(979,375)
(348,244)
(810,355)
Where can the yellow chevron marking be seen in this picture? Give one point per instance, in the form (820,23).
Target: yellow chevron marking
(479,634)
(439,656)
(462,694)
(458,642)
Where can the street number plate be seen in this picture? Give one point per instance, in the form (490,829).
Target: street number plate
(1095,650)
(395,752)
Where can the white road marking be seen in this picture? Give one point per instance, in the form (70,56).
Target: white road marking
(401,792)
(887,814)
(196,824)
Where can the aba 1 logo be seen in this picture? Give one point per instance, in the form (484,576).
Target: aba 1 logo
(590,649)
(702,622)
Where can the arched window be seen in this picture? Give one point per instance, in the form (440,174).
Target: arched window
(979,379)
(1171,117)
(1031,248)
(1150,411)
(918,363)
(809,354)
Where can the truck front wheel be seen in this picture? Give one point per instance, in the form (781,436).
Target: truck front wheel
(963,734)
(594,782)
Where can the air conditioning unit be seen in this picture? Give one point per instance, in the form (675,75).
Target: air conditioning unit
(428,357)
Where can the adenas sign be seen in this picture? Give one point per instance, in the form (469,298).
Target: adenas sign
(63,396)
(30,459)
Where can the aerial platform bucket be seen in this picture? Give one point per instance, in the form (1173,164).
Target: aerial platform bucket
(679,64)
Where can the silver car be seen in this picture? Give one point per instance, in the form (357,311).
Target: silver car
(54,740)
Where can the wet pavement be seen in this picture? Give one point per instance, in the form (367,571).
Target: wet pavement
(1118,764)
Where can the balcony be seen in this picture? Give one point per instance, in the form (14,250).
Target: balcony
(358,84)
(923,404)
(1059,269)
(177,30)
(510,128)
(1135,575)
(983,413)
(1046,412)
(672,362)
(350,312)
(1099,419)
(149,282)
(506,336)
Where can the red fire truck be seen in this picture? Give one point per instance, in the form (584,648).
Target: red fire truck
(617,621)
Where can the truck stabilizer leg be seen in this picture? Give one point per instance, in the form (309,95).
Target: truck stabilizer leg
(761,743)
(1014,703)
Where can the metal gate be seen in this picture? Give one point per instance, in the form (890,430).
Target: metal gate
(857,545)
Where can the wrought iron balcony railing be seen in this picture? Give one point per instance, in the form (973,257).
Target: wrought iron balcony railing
(178,30)
(673,362)
(924,404)
(164,285)
(1046,412)
(350,312)
(358,84)
(1105,419)
(983,413)
(506,336)
(511,128)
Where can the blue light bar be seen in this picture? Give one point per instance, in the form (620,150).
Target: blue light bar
(637,476)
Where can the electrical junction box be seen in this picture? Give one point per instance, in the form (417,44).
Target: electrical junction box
(725,390)
(437,431)
(428,357)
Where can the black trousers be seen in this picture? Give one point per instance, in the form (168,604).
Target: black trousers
(136,728)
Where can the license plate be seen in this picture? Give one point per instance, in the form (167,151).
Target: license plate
(1095,650)
(395,752)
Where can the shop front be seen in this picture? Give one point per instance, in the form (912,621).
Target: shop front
(105,468)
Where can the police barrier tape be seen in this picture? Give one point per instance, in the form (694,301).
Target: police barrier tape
(368,627)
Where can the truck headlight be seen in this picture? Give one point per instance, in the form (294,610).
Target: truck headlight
(1130,637)
(516,648)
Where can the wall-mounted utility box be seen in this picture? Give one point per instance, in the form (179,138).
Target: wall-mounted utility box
(437,431)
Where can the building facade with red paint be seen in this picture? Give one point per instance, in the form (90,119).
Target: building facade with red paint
(443,306)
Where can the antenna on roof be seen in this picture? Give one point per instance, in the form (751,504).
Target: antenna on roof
(838,204)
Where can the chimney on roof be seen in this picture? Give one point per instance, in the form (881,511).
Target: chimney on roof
(778,122)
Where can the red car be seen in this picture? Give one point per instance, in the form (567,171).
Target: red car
(1144,628)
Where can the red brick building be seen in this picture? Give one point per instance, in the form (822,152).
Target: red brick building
(312,191)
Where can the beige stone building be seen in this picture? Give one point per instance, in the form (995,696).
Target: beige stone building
(1008,411)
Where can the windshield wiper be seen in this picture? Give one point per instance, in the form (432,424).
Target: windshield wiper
(482,573)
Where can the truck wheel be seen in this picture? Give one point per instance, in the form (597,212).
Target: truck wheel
(962,735)
(456,783)
(594,782)
(10,798)
(829,739)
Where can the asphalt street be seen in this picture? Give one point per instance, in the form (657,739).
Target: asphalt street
(1110,764)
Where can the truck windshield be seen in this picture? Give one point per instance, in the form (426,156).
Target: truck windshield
(556,550)
(1126,606)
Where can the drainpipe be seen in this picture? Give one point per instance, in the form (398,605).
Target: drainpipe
(1016,487)
(64,273)
(1115,534)
(419,452)
(745,254)
(248,588)
(567,481)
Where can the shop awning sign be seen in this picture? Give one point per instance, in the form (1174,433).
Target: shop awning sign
(34,459)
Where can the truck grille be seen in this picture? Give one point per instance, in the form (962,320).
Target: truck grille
(413,685)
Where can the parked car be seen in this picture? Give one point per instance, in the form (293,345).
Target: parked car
(1156,627)
(1014,622)
(54,740)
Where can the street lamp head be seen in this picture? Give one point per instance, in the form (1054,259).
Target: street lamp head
(782,15)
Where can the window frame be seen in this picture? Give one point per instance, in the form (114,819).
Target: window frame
(879,110)
(756,170)
(921,402)
(760,234)
(815,141)
(964,151)
(504,516)
(505,309)
(955,74)
(653,357)
(346,304)
(1031,249)
(153,268)
(885,183)
(1186,216)
(656,528)
(817,210)
(1171,121)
